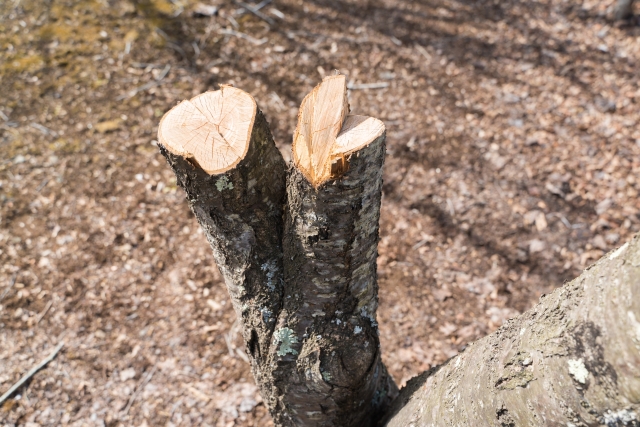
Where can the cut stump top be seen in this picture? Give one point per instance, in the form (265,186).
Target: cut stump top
(326,134)
(213,128)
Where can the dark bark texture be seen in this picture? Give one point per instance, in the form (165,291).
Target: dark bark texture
(329,368)
(241,213)
(573,360)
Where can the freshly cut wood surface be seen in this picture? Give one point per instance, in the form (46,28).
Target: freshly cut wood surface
(356,132)
(325,133)
(213,128)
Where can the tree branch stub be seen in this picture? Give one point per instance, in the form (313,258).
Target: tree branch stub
(335,375)
(221,150)
(326,135)
(213,129)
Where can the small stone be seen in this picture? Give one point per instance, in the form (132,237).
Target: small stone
(108,126)
(603,206)
(205,10)
(531,216)
(127,374)
(598,242)
(442,294)
(612,238)
(536,246)
(541,222)
(215,305)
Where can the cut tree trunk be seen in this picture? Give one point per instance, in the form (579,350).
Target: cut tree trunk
(239,209)
(334,375)
(573,360)
(330,371)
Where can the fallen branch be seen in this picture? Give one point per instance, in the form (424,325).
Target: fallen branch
(253,40)
(255,11)
(45,130)
(31,373)
(13,282)
(135,394)
(134,92)
(424,52)
(357,86)
(44,312)
(572,360)
(259,6)
(146,86)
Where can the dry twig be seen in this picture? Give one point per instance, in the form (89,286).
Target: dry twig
(13,282)
(31,373)
(135,395)
(356,86)
(254,10)
(44,312)
(247,37)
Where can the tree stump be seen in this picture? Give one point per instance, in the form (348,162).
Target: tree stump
(300,265)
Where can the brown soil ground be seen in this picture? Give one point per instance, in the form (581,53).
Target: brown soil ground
(513,163)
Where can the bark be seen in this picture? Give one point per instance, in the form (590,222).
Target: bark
(623,9)
(241,213)
(329,368)
(573,360)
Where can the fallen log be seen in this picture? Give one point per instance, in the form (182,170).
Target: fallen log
(572,360)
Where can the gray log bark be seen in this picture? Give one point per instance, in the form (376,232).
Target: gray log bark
(573,360)
(623,9)
(241,214)
(330,372)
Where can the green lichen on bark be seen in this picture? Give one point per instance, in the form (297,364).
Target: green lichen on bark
(223,183)
(284,339)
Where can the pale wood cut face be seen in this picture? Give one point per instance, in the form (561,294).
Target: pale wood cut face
(213,128)
(326,134)
(356,133)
